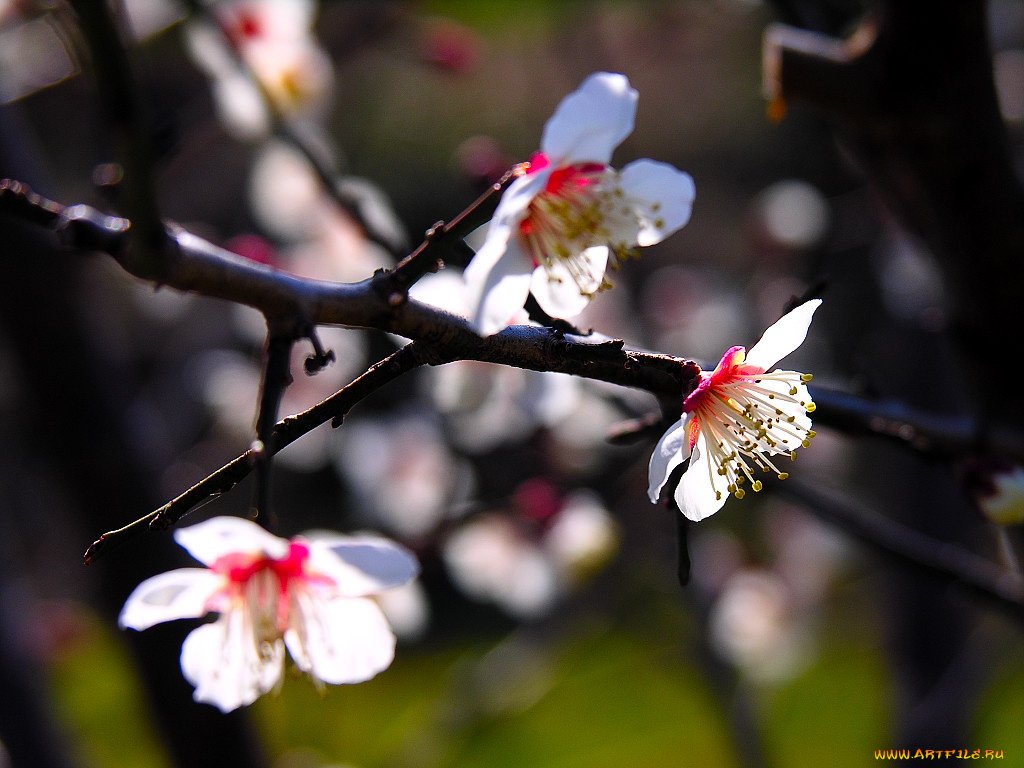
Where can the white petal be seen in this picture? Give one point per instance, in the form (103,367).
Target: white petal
(179,594)
(496,295)
(344,640)
(662,196)
(696,494)
(672,450)
(556,289)
(219,536)
(783,337)
(361,565)
(223,664)
(591,121)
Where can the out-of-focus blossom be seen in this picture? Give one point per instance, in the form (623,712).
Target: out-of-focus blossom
(288,200)
(33,54)
(407,609)
(312,597)
(581,538)
(148,17)
(738,413)
(524,560)
(491,561)
(559,225)
(276,46)
(997,488)
(1008,72)
(402,473)
(753,625)
(791,215)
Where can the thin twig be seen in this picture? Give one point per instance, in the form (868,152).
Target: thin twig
(285,432)
(947,562)
(442,238)
(276,378)
(934,434)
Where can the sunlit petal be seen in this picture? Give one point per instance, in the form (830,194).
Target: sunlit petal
(341,640)
(179,594)
(697,494)
(660,197)
(671,451)
(592,121)
(499,293)
(783,337)
(224,665)
(220,536)
(565,288)
(361,565)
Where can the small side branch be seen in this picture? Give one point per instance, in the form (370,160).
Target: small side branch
(946,562)
(934,434)
(285,432)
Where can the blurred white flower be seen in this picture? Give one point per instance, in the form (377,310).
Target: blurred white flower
(528,558)
(309,596)
(558,225)
(582,537)
(407,609)
(401,472)
(753,626)
(997,488)
(274,40)
(490,561)
(33,54)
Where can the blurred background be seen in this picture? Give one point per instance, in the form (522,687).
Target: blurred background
(549,627)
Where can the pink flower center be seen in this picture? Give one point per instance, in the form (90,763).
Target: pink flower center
(730,370)
(567,216)
(264,583)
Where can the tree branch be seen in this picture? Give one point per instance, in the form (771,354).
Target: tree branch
(947,562)
(195,265)
(285,432)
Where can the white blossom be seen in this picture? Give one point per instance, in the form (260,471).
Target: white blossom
(739,418)
(559,225)
(311,597)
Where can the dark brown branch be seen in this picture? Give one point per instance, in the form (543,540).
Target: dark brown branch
(935,434)
(285,432)
(276,378)
(195,265)
(132,132)
(443,238)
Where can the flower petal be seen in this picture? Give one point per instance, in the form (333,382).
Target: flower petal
(591,121)
(223,663)
(558,290)
(496,295)
(783,336)
(179,594)
(671,451)
(661,195)
(343,640)
(361,565)
(696,494)
(219,536)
